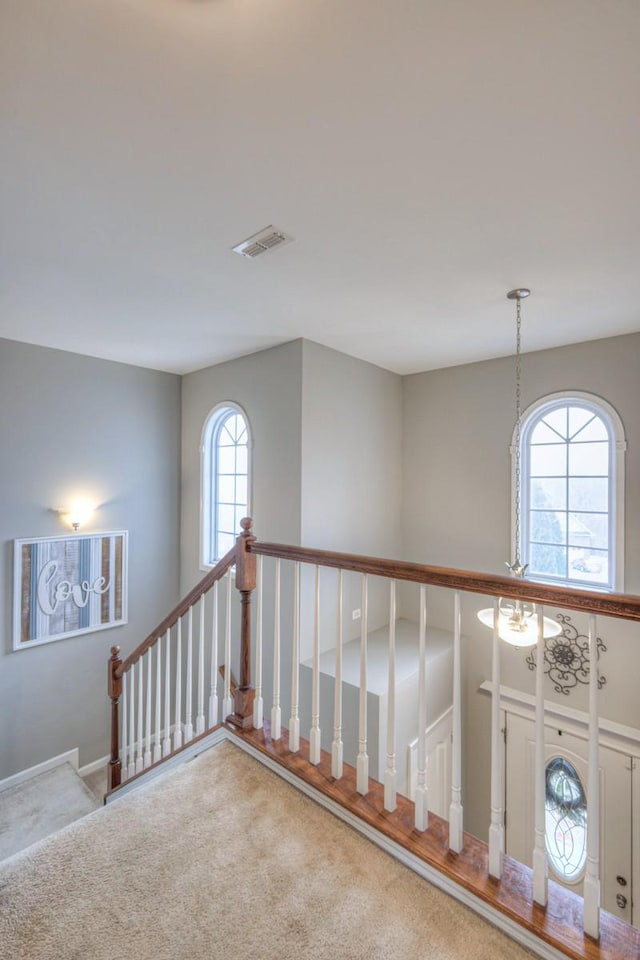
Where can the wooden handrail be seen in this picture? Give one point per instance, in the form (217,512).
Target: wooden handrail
(622,605)
(238,713)
(178,611)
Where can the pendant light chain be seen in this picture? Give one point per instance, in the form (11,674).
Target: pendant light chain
(516,568)
(517,430)
(516,620)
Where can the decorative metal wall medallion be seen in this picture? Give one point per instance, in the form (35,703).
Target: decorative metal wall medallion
(566,657)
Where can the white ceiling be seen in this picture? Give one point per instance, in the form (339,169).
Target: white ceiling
(427,155)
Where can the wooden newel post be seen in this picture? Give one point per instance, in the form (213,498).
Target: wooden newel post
(245,582)
(114,686)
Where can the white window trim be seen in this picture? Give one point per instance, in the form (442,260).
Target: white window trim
(617,492)
(206,465)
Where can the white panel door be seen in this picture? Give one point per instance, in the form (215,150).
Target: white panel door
(438,743)
(615,825)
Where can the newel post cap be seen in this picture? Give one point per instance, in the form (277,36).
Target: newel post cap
(247,527)
(245,561)
(114,682)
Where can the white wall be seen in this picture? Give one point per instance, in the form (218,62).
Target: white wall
(71,424)
(456,501)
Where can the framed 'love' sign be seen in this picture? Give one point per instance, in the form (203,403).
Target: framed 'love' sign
(65,586)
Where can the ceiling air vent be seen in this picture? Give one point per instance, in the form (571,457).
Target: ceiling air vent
(262,242)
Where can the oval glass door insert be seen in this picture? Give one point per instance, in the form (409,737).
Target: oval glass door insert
(565,819)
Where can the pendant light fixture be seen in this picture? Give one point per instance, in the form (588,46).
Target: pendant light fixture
(517,624)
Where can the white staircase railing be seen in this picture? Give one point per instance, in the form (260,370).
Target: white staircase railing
(295,634)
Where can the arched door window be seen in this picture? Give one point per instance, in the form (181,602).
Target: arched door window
(572,492)
(226,480)
(565,819)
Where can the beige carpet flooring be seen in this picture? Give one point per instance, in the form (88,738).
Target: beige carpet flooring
(222,859)
(41,806)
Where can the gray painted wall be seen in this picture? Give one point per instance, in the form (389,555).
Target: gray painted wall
(327,444)
(326,471)
(346,456)
(351,453)
(268,386)
(456,501)
(72,424)
(351,472)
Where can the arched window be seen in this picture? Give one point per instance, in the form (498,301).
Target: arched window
(226,480)
(572,491)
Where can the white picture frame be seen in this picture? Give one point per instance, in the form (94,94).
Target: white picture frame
(67,586)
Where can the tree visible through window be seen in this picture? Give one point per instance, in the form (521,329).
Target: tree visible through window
(225,480)
(568,493)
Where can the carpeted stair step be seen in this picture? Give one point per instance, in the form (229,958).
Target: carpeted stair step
(38,807)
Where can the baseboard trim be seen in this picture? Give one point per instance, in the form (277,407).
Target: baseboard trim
(93,767)
(71,756)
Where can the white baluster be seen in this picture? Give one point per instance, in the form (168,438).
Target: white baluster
(177,726)
(314,737)
(496,829)
(337,745)
(421,797)
(213,680)
(140,742)
(258,703)
(456,834)
(540,869)
(390,785)
(125,732)
(188,727)
(166,742)
(362,760)
(147,724)
(294,720)
(200,717)
(227,705)
(276,712)
(592,875)
(157,745)
(132,719)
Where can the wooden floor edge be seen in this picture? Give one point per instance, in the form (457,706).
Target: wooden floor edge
(559,926)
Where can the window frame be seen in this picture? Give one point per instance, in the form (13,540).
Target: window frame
(213,424)
(617,447)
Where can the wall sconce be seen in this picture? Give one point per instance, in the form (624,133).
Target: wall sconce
(77,513)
